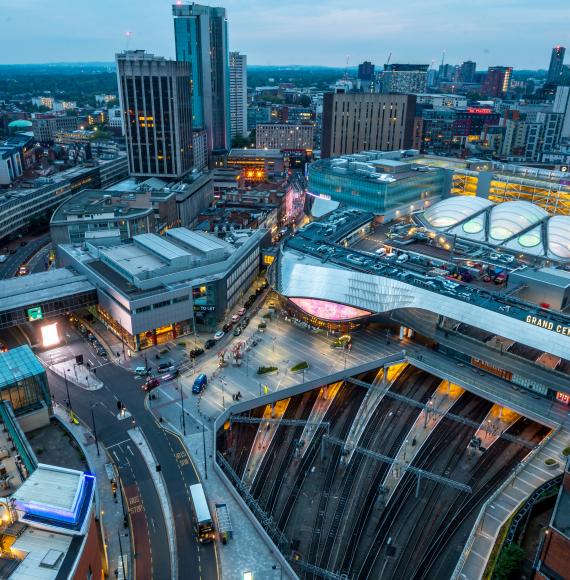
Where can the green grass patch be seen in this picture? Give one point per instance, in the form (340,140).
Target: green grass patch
(266,370)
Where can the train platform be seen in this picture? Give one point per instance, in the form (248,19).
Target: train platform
(495,424)
(499,508)
(371,401)
(263,439)
(442,400)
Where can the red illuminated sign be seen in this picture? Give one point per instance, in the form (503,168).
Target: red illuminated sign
(563,398)
(479,110)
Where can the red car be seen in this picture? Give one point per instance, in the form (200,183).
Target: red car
(151,384)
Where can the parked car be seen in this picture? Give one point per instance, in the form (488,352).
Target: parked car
(200,383)
(235,318)
(237,331)
(227,327)
(142,371)
(242,311)
(195,352)
(170,376)
(220,334)
(101,351)
(209,343)
(380,251)
(245,321)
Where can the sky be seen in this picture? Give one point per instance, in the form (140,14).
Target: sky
(518,33)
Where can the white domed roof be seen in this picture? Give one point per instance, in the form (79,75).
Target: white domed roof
(453,210)
(509,218)
(559,236)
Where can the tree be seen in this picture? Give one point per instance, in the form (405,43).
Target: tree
(305,101)
(509,563)
(240,141)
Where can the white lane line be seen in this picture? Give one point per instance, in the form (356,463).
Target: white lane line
(118,444)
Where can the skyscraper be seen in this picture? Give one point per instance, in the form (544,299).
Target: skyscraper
(201,38)
(404,78)
(467,71)
(556,62)
(156,105)
(238,94)
(497,81)
(354,122)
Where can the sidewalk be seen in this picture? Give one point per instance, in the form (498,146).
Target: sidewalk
(110,508)
(246,551)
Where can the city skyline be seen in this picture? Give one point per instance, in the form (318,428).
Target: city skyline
(416,32)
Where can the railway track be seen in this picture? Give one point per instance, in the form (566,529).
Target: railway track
(464,507)
(448,437)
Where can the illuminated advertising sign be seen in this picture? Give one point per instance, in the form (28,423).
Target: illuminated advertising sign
(35,313)
(548,325)
(480,110)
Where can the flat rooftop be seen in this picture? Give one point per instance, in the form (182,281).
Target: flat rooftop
(42,287)
(18,364)
(253,153)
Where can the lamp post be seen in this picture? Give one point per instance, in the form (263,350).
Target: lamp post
(182,403)
(94,429)
(223,395)
(67,390)
(121,552)
(204,443)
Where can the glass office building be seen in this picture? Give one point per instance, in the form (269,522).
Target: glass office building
(373,183)
(23,380)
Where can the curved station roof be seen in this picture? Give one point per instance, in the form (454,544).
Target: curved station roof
(515,225)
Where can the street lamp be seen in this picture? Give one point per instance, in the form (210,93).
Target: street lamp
(182,402)
(275,566)
(67,390)
(94,428)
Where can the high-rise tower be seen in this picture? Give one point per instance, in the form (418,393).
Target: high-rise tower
(238,94)
(157,113)
(556,62)
(201,37)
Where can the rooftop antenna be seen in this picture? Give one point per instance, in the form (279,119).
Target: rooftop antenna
(128,36)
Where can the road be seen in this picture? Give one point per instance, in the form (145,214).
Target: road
(119,384)
(23,253)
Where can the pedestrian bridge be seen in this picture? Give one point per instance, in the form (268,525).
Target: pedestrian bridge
(43,296)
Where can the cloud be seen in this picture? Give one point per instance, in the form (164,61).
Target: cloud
(511,32)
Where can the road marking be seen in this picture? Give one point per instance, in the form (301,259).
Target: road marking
(130,451)
(117,444)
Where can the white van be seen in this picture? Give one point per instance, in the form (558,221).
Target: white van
(380,251)
(402,258)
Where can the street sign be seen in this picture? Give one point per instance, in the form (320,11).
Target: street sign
(35,313)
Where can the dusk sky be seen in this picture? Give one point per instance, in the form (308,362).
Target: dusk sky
(519,33)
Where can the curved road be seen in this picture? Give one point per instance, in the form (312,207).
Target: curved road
(194,560)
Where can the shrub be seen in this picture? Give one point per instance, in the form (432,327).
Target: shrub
(300,366)
(267,316)
(566,451)
(262,325)
(549,461)
(265,370)
(509,563)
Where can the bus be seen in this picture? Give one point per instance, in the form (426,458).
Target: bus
(202,514)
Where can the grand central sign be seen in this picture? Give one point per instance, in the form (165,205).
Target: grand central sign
(548,325)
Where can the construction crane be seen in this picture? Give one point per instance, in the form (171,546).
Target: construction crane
(389,58)
(346,67)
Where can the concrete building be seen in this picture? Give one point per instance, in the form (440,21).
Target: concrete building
(155,96)
(11,164)
(404,78)
(193,196)
(442,100)
(238,94)
(467,71)
(19,206)
(155,288)
(257,114)
(284,136)
(355,122)
(497,82)
(102,213)
(562,105)
(257,165)
(201,37)
(556,63)
(45,127)
(200,149)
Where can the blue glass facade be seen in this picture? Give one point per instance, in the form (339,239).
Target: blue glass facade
(369,193)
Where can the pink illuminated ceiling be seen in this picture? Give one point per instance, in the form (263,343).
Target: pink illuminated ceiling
(326,310)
